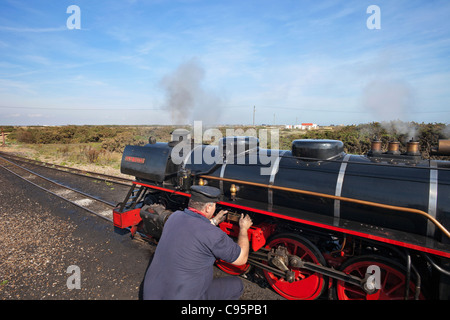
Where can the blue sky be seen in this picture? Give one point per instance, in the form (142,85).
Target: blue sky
(163,62)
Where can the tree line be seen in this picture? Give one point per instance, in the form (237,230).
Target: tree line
(357,138)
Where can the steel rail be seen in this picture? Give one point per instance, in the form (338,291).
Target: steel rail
(102,202)
(80,172)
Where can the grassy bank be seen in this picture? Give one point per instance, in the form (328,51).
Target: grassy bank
(86,156)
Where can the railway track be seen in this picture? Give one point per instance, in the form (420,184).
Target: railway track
(88,202)
(84,173)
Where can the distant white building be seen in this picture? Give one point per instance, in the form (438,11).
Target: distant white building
(303,126)
(308,126)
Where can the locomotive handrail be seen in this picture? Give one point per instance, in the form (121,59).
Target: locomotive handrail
(324,195)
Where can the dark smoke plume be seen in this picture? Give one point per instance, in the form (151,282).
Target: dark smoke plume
(185,97)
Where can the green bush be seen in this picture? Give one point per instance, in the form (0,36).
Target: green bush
(357,138)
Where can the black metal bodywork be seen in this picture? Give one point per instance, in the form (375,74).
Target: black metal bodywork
(150,162)
(311,185)
(399,182)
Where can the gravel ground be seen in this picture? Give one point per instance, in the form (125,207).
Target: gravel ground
(42,236)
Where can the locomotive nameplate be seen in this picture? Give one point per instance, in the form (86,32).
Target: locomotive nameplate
(135,159)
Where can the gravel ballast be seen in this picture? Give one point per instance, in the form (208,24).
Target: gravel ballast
(41,236)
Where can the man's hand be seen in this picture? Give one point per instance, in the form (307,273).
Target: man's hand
(245,222)
(220,217)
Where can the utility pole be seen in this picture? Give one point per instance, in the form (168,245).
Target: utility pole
(254,110)
(3,136)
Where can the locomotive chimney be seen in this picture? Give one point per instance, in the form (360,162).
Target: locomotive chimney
(375,147)
(412,148)
(393,147)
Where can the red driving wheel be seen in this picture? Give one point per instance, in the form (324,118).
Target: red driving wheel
(231,268)
(392,280)
(308,285)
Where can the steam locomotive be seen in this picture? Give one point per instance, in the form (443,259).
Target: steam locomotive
(325,223)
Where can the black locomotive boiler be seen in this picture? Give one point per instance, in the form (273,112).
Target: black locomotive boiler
(325,223)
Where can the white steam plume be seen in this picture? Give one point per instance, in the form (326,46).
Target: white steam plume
(390,101)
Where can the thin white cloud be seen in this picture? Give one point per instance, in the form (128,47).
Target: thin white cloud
(7,85)
(40,60)
(32,30)
(35,115)
(13,115)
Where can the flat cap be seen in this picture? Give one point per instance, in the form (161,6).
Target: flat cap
(205,194)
